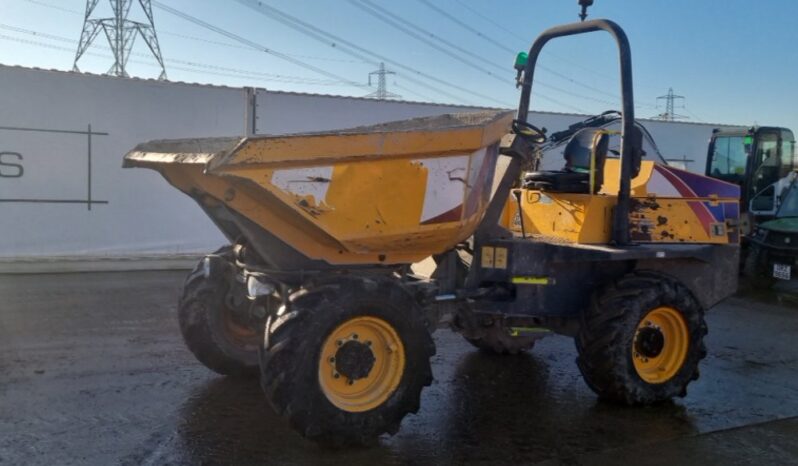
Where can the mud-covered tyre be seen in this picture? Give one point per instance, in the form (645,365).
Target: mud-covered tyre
(367,331)
(641,340)
(755,270)
(209,329)
(497,339)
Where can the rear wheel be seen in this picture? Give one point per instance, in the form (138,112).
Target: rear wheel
(347,360)
(641,340)
(214,327)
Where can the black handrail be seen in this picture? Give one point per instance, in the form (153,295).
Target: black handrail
(620,223)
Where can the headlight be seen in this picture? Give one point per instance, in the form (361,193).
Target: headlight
(257,288)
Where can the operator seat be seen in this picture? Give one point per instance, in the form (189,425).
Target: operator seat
(575,177)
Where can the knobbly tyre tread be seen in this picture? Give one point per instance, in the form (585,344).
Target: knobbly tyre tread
(496,340)
(754,272)
(607,329)
(290,357)
(201,335)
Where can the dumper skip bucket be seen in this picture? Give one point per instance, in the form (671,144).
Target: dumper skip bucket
(383,194)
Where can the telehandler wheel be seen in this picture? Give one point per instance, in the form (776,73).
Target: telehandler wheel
(211,331)
(755,271)
(346,361)
(641,340)
(498,339)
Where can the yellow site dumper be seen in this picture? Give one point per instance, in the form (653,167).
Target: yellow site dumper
(316,294)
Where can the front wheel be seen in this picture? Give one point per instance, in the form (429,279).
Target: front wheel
(641,340)
(346,361)
(756,271)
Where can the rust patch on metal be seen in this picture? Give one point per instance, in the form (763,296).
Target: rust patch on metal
(638,204)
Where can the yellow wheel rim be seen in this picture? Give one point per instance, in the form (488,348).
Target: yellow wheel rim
(361,364)
(660,345)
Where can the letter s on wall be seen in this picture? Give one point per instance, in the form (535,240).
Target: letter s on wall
(8,169)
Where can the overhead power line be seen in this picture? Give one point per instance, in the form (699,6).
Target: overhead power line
(469,28)
(414,92)
(419,34)
(524,39)
(55,7)
(350,48)
(695,117)
(504,47)
(161,31)
(190,66)
(501,27)
(428,37)
(373,58)
(255,45)
(69,50)
(250,45)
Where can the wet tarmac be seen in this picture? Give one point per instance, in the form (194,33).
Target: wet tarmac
(93,371)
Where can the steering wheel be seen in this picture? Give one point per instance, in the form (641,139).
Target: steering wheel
(529,131)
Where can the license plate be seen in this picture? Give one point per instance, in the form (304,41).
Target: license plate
(781,271)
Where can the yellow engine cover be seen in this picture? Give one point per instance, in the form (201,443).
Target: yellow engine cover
(667,206)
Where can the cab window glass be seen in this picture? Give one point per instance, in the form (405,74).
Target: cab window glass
(768,163)
(789,206)
(728,157)
(767,153)
(787,157)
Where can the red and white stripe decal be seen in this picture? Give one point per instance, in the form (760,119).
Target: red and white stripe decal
(704,215)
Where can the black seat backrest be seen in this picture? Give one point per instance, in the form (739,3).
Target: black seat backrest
(635,139)
(583,144)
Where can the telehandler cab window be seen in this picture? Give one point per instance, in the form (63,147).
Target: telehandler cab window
(767,152)
(767,163)
(728,159)
(788,156)
(789,206)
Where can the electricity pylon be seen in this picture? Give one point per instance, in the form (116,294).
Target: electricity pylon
(121,33)
(382,87)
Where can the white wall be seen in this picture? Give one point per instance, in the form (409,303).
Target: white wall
(143,215)
(44,117)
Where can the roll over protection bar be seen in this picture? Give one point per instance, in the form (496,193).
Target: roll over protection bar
(629,151)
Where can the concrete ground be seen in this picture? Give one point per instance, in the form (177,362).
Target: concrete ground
(93,371)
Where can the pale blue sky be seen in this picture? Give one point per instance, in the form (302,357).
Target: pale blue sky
(734,61)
